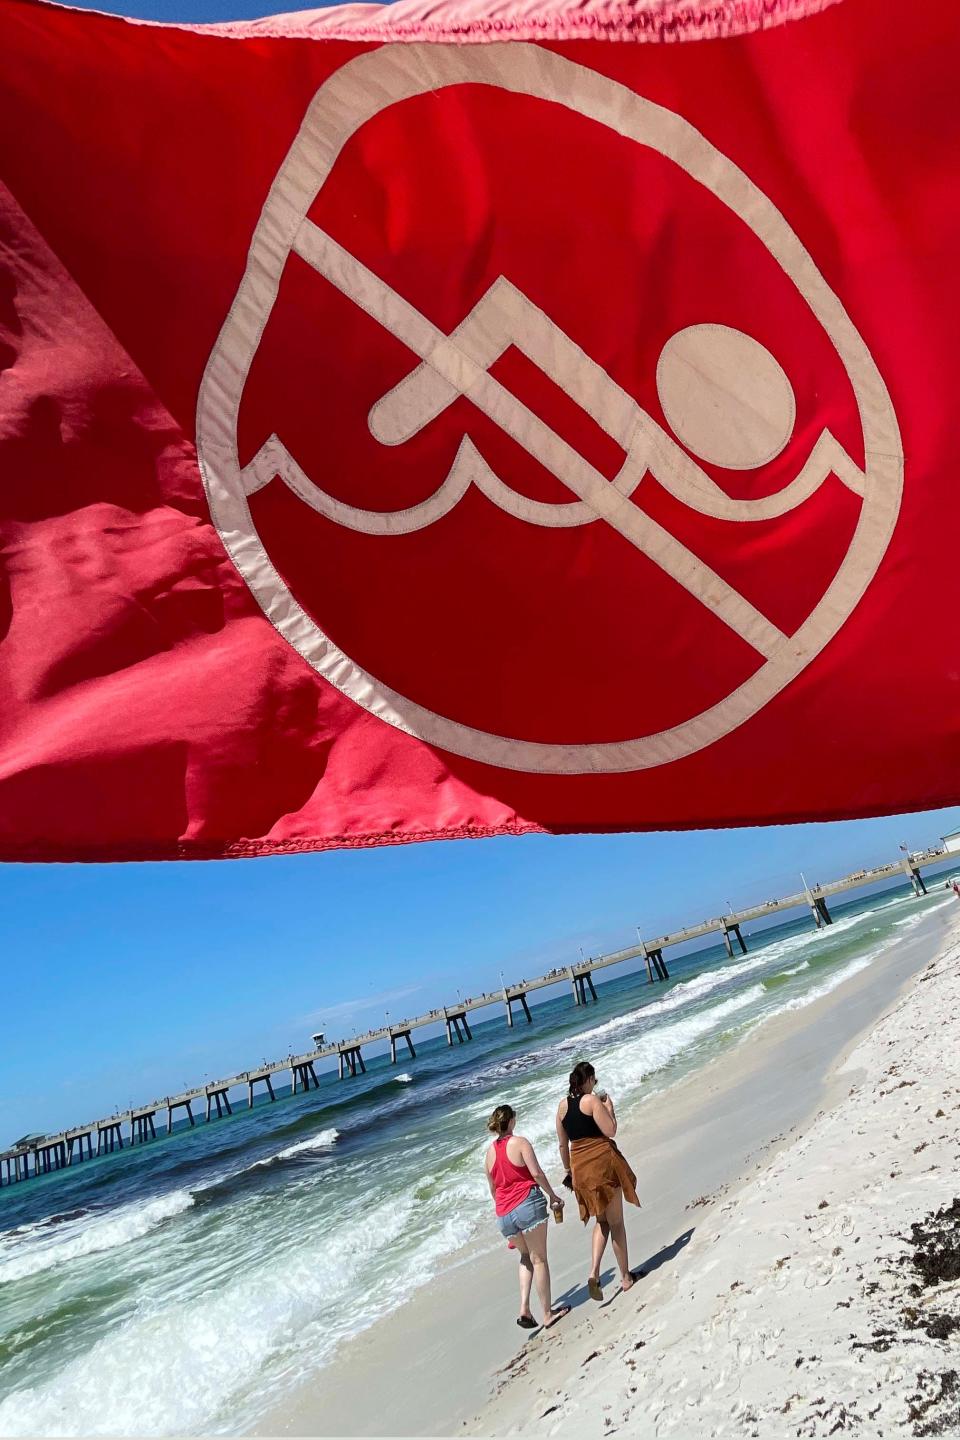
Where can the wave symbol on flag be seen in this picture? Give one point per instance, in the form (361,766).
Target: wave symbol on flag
(459,364)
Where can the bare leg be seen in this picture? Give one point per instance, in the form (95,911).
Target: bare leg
(537,1246)
(601,1234)
(526,1274)
(618,1234)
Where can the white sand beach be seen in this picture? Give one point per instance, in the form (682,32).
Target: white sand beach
(779,1184)
(798,1309)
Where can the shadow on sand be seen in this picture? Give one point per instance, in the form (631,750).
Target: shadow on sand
(578,1294)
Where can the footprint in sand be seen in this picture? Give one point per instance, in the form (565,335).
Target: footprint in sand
(781,1277)
(821,1272)
(770,1344)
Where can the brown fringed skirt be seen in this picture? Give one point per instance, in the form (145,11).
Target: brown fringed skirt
(598,1170)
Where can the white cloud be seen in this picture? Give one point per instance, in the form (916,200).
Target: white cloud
(347,1009)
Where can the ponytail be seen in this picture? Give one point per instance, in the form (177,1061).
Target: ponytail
(580,1077)
(499,1122)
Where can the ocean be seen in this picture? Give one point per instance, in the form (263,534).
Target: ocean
(186,1285)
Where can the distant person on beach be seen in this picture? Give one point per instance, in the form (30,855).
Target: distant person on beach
(599,1175)
(520,1192)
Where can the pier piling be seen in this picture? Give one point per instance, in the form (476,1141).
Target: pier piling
(457,1024)
(184,1104)
(582,981)
(818,905)
(396,1035)
(109,1137)
(351,1060)
(518,998)
(912,873)
(217,1095)
(49,1157)
(79,1138)
(731,931)
(142,1127)
(656,966)
(301,1074)
(252,1080)
(17,1165)
(821,914)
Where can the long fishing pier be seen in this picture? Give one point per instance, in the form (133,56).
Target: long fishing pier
(42,1154)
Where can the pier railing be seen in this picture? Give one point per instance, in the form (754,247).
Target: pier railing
(43,1154)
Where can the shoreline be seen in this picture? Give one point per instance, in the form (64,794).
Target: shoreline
(703,1139)
(798,1310)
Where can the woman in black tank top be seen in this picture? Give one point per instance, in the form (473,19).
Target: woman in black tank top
(577,1125)
(599,1175)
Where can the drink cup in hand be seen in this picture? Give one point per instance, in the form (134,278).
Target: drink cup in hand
(557,1208)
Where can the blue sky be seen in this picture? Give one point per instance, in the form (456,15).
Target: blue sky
(125,981)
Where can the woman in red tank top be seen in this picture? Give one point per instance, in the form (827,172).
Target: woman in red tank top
(517,1185)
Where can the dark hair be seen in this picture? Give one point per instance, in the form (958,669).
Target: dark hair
(580,1076)
(499,1122)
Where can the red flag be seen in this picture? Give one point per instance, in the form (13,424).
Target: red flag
(404,436)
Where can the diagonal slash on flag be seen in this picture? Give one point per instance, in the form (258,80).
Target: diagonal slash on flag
(467,378)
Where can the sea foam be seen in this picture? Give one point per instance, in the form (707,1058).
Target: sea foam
(325,1140)
(92,1234)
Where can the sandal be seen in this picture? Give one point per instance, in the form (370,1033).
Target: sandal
(526,1322)
(595,1288)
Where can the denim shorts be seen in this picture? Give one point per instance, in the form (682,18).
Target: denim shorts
(526,1216)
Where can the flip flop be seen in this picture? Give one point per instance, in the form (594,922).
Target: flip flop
(556,1315)
(596,1289)
(526,1322)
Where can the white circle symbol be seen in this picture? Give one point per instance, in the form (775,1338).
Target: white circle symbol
(725,396)
(353,95)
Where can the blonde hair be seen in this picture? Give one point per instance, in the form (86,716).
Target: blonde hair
(499,1122)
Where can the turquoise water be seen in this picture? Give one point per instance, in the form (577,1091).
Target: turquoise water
(184,1286)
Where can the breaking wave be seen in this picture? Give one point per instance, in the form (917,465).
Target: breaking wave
(325,1140)
(91,1234)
